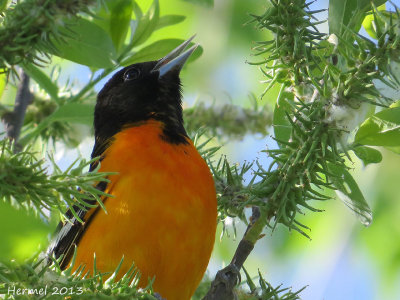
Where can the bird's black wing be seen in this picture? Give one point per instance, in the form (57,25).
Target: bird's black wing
(68,234)
(100,146)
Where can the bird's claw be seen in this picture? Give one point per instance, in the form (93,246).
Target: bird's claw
(222,287)
(158,296)
(225,276)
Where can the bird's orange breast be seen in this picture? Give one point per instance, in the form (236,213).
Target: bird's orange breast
(162,216)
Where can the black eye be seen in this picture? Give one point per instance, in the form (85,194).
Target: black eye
(131,74)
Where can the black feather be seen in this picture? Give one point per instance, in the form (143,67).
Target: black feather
(124,102)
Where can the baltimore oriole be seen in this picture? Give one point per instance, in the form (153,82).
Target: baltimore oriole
(163,213)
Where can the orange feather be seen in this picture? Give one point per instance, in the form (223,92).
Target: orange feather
(162,216)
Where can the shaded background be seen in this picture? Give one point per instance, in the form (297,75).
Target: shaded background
(344,260)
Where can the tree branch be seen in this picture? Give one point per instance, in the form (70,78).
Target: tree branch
(15,120)
(222,287)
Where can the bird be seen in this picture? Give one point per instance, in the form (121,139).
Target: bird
(162,212)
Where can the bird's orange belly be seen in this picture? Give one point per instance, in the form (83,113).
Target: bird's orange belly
(162,216)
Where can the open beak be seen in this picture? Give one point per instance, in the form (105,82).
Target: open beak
(175,59)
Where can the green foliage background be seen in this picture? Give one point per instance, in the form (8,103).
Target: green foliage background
(344,260)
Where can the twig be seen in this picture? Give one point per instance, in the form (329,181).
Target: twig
(16,119)
(222,287)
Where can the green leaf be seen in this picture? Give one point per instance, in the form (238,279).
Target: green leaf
(348,13)
(119,22)
(369,22)
(137,10)
(73,112)
(22,232)
(381,129)
(209,3)
(42,80)
(169,20)
(391,114)
(368,155)
(145,25)
(349,192)
(3,81)
(88,44)
(394,149)
(158,50)
(3,5)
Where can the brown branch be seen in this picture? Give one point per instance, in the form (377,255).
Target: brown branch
(15,120)
(222,287)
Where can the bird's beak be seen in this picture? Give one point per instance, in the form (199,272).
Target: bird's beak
(175,59)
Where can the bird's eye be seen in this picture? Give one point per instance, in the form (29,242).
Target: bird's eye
(131,74)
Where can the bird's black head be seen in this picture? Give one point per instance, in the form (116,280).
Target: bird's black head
(140,92)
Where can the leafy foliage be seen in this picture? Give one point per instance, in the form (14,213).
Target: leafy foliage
(25,182)
(381,129)
(27,29)
(94,43)
(327,89)
(267,292)
(53,283)
(228,120)
(344,14)
(202,2)
(332,82)
(32,280)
